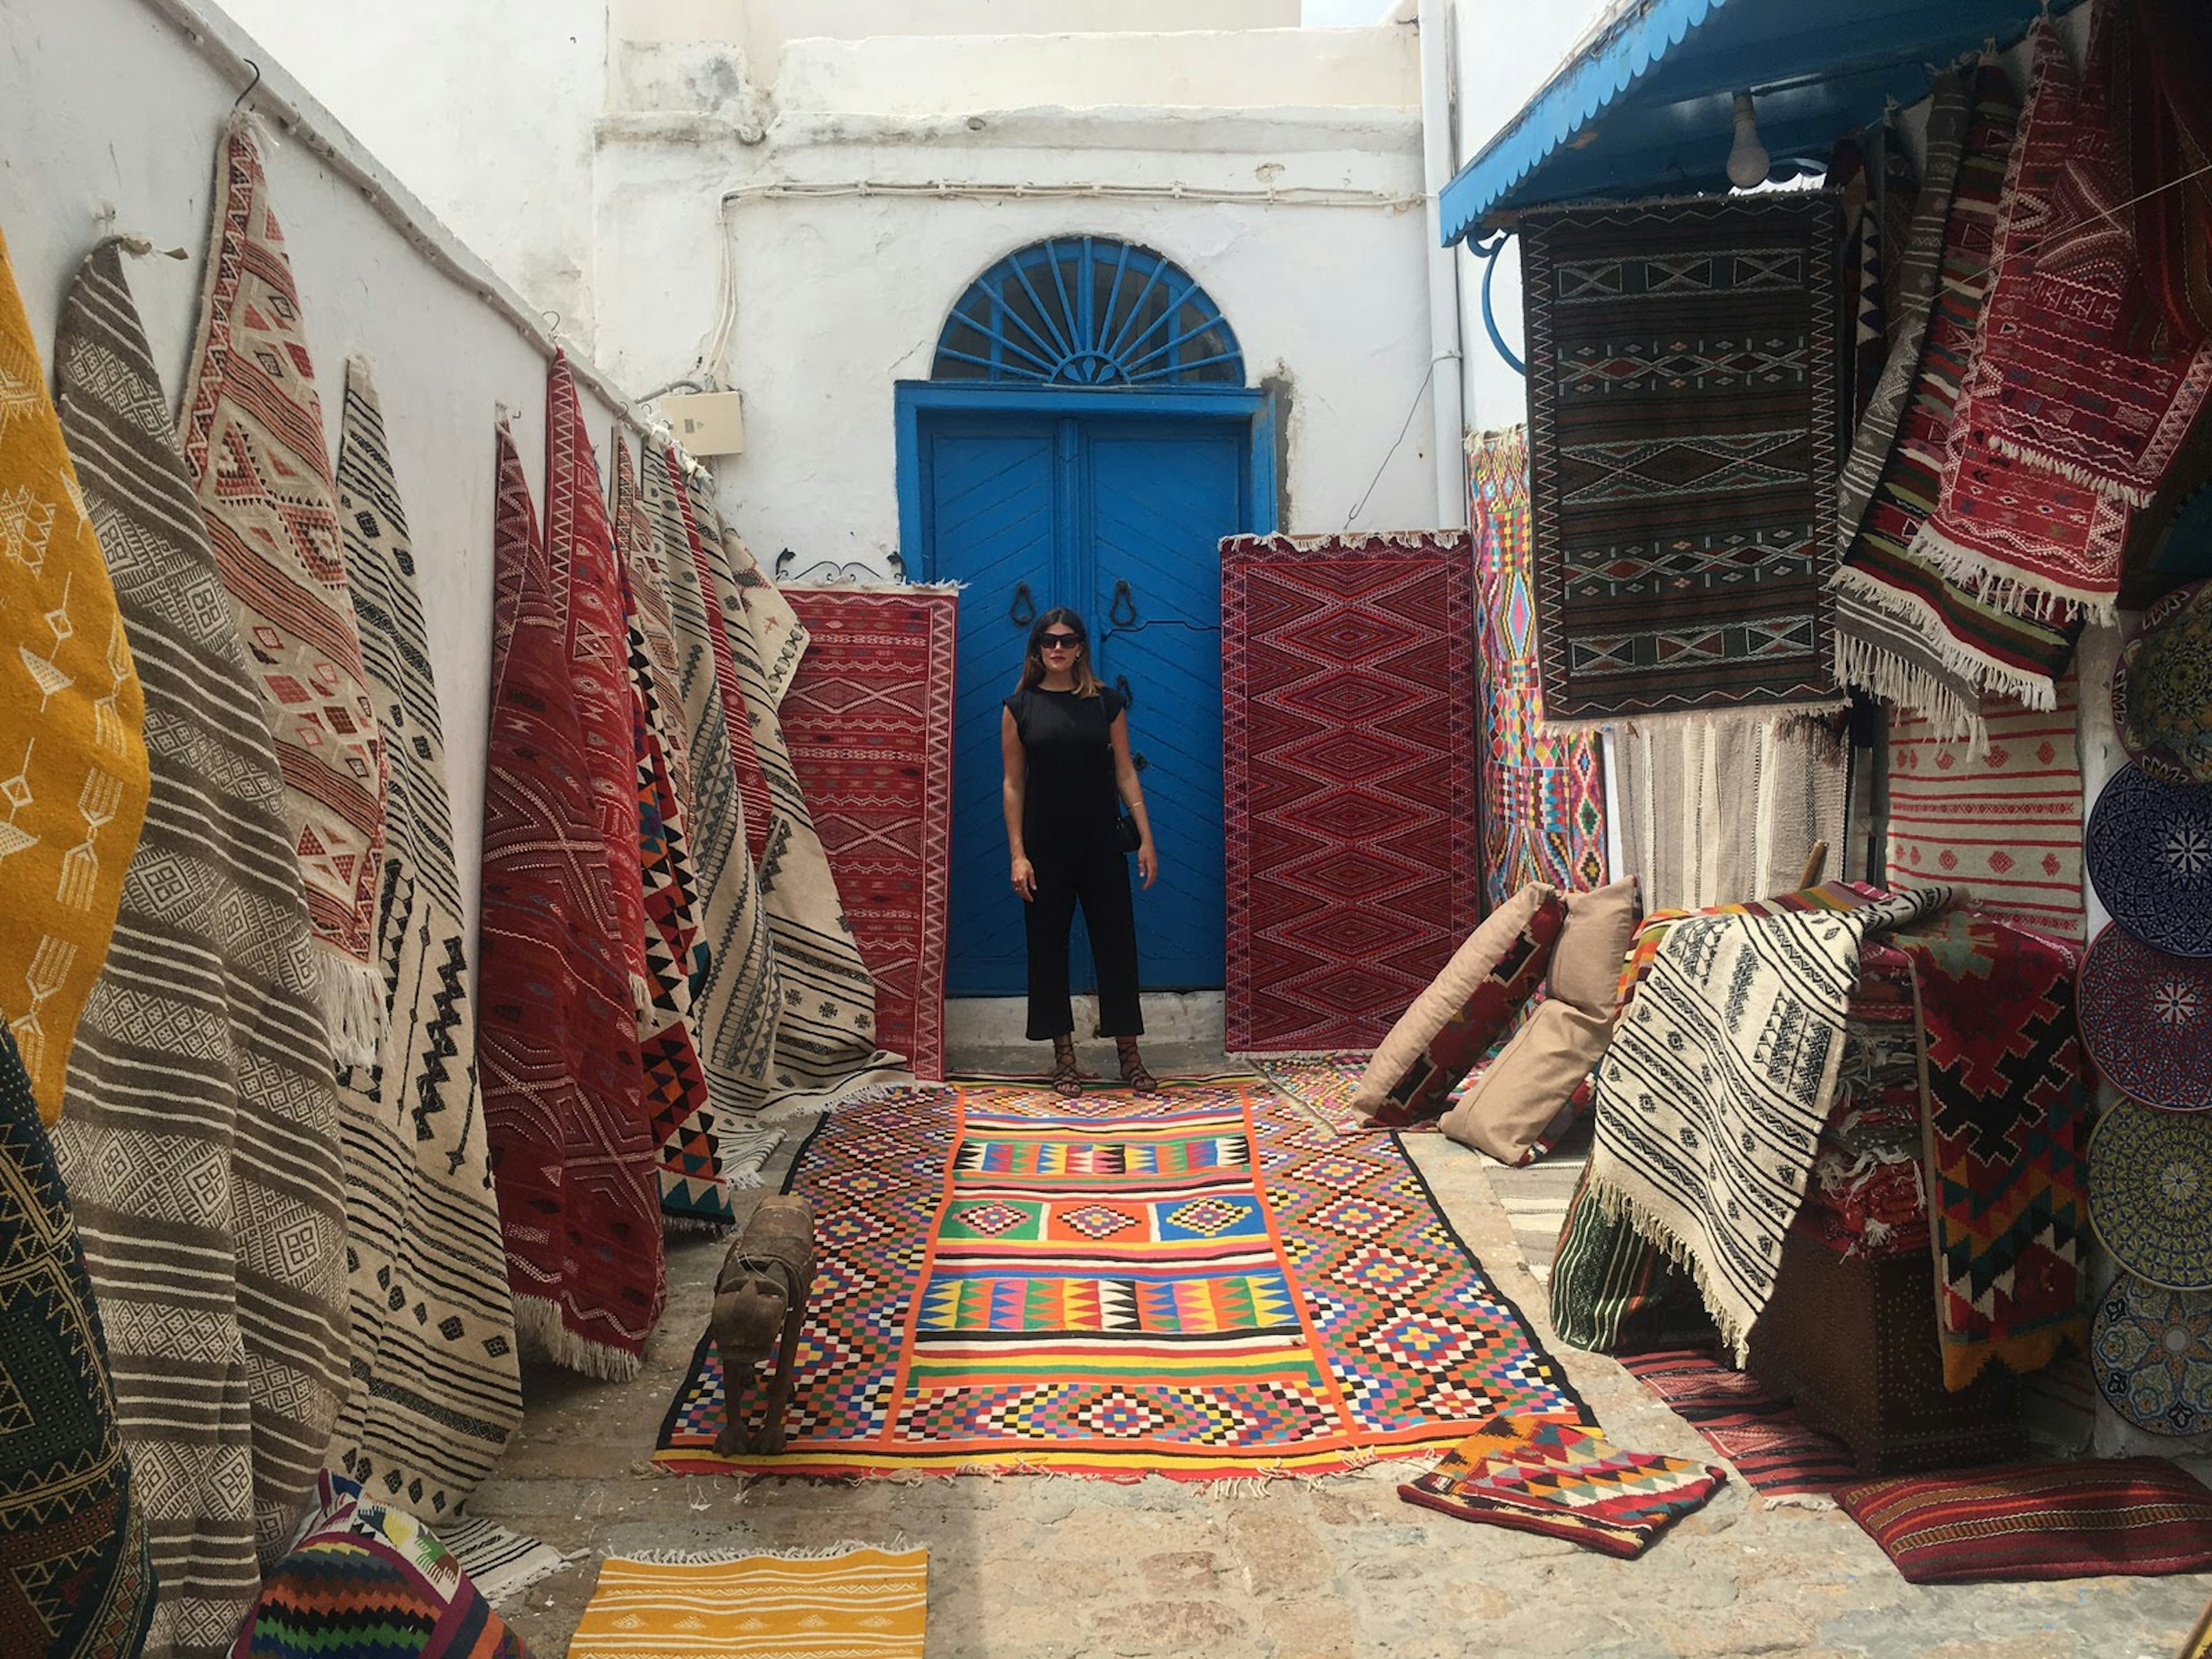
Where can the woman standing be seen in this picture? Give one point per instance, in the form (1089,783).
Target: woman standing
(1065,740)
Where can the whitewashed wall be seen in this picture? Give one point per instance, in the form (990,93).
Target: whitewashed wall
(105,106)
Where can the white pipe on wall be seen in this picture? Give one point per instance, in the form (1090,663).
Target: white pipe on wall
(1446,392)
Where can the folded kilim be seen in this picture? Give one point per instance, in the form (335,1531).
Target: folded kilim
(1711,1098)
(694,1191)
(1542,797)
(825,1042)
(252,431)
(869,719)
(851,1604)
(435,1390)
(201,1145)
(1201,1284)
(75,1578)
(1904,631)
(735,988)
(1758,1431)
(2008,1116)
(72,761)
(1683,417)
(573,1157)
(2058,430)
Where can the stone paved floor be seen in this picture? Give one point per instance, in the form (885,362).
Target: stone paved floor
(1024,1567)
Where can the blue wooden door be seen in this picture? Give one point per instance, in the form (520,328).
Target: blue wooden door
(1120,519)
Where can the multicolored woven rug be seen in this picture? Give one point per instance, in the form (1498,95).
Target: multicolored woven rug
(1543,798)
(1354,868)
(1756,1429)
(1684,479)
(1199,1283)
(2001,816)
(855,1603)
(869,721)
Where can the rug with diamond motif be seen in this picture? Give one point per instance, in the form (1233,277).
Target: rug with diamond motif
(1201,1284)
(1349,753)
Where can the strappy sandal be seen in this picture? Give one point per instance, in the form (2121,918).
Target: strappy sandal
(1134,1075)
(1066,1076)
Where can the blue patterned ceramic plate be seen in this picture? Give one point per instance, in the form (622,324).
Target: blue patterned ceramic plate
(2162,689)
(2151,1352)
(2150,1194)
(2149,853)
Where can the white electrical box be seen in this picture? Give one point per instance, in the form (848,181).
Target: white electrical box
(707,423)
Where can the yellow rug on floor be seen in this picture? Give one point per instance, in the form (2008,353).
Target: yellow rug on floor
(866,1603)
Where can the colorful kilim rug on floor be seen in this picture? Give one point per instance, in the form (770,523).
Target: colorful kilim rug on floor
(572,1157)
(1684,480)
(76,1580)
(70,714)
(1711,1098)
(436,1392)
(855,1604)
(825,1040)
(2009,1114)
(1354,861)
(2026,1521)
(2000,817)
(1199,1283)
(1565,1482)
(1543,798)
(736,990)
(869,719)
(695,1191)
(253,430)
(201,1146)
(1757,1430)
(2058,430)
(1904,631)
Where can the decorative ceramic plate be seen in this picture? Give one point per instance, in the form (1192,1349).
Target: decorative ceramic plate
(2151,1351)
(2147,1020)
(2150,1193)
(2162,689)
(2149,853)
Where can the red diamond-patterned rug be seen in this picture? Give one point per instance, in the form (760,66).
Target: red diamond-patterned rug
(1200,1283)
(869,720)
(1349,751)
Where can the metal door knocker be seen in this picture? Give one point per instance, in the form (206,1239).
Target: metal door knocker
(1123,600)
(1025,607)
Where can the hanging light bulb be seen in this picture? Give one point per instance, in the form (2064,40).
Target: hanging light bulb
(1747,158)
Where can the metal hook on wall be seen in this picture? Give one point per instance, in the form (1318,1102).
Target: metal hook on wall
(250,85)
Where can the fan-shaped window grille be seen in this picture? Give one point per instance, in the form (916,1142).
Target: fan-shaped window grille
(1088,312)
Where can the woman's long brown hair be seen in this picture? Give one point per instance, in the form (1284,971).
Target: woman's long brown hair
(1086,683)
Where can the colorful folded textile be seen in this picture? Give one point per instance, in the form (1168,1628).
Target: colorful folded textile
(73,755)
(1866,1198)
(435,1391)
(2009,1111)
(2028,1521)
(1758,1431)
(1565,1482)
(853,1604)
(1682,436)
(1613,1289)
(75,1579)
(253,432)
(1542,797)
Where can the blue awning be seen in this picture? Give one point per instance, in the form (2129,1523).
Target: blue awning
(1646,106)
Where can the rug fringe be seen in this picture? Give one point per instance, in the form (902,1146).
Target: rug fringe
(1672,719)
(1620,1206)
(1905,685)
(675,1557)
(882,1078)
(355,1005)
(2088,478)
(2033,691)
(538,1322)
(2038,598)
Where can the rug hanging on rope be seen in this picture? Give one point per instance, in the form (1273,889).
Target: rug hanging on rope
(869,719)
(826,1035)
(1354,850)
(1542,797)
(573,1157)
(736,989)
(201,1142)
(73,765)
(694,1187)
(1683,477)
(435,1390)
(252,431)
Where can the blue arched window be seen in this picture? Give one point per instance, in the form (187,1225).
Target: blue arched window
(1087,311)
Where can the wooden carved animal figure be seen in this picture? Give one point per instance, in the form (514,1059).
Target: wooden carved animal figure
(760,1302)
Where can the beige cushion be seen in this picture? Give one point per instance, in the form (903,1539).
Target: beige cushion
(1516,937)
(1516,1099)
(1586,962)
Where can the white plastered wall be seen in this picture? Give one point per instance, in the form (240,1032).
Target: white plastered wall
(105,106)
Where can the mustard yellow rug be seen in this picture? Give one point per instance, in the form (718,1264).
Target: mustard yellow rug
(864,1603)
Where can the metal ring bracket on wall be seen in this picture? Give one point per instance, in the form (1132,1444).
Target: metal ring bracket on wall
(1121,685)
(1123,600)
(1022,611)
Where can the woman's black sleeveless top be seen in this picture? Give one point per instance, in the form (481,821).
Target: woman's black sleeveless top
(1071,800)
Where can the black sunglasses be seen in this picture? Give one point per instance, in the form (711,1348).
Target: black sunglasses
(1059,641)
